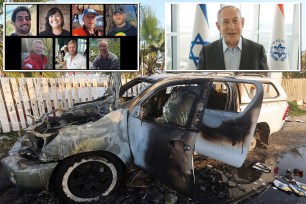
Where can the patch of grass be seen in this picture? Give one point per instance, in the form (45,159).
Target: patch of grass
(295,110)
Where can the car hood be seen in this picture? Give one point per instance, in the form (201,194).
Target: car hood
(106,134)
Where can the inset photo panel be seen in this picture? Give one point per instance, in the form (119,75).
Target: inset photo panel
(87,20)
(36,53)
(121,19)
(54,20)
(242,36)
(104,53)
(21,20)
(70,53)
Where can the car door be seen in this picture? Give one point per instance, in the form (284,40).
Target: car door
(162,131)
(226,135)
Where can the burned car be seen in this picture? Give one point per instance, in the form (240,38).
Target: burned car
(161,121)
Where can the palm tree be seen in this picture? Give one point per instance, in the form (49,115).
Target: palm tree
(303,63)
(152,41)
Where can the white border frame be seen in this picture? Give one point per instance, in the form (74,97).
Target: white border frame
(239,2)
(70,3)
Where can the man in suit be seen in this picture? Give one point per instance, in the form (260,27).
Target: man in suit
(232,52)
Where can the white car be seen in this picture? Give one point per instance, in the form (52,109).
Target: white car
(274,109)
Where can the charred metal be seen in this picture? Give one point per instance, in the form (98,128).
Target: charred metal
(157,129)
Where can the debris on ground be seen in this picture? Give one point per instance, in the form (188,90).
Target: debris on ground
(298,172)
(299,184)
(292,185)
(297,190)
(262,167)
(4,137)
(282,186)
(297,120)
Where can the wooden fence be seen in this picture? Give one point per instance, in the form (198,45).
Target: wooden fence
(36,96)
(295,89)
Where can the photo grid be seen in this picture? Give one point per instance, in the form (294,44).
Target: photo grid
(64,37)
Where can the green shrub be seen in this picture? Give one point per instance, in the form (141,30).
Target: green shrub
(295,110)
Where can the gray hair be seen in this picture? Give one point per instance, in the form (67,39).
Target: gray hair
(38,42)
(229,6)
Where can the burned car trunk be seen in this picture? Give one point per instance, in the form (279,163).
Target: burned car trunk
(83,154)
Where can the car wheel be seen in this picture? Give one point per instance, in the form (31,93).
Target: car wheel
(87,177)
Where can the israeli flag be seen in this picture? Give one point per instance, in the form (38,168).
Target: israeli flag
(278,48)
(200,36)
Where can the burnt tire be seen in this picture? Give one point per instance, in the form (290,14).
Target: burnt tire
(87,177)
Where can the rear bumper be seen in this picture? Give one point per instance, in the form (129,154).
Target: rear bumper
(25,173)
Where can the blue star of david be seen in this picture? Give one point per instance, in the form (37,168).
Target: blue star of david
(279,50)
(197,41)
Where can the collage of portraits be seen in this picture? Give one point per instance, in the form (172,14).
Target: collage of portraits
(66,37)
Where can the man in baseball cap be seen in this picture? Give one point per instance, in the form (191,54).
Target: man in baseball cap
(89,28)
(121,26)
(118,9)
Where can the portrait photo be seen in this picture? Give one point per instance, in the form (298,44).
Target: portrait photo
(87,20)
(36,54)
(20,20)
(54,20)
(234,36)
(104,53)
(70,53)
(121,20)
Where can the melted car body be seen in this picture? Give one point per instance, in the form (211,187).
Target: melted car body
(157,129)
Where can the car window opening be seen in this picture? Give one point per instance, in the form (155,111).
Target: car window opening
(170,106)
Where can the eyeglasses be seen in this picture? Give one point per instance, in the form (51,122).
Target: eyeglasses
(20,19)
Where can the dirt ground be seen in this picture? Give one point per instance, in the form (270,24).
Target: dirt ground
(215,182)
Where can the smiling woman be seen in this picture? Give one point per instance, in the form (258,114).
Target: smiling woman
(56,22)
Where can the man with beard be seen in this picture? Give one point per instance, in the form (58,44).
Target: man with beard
(21,19)
(36,59)
(75,60)
(106,60)
(89,28)
(121,27)
(232,51)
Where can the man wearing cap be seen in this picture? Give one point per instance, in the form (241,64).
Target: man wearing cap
(89,28)
(106,60)
(121,27)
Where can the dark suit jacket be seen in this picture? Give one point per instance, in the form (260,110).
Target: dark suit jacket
(253,56)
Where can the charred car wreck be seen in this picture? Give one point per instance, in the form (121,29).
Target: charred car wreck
(84,154)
